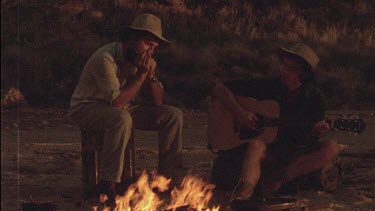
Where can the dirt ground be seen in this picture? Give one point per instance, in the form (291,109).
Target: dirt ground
(41,159)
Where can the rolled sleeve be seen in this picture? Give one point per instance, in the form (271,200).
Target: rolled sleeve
(107,80)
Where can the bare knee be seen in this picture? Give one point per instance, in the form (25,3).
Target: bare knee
(175,115)
(330,150)
(125,119)
(257,148)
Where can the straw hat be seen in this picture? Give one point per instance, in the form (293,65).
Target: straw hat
(303,52)
(149,23)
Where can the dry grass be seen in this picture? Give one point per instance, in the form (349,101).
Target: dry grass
(56,37)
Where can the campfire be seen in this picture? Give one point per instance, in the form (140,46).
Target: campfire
(193,194)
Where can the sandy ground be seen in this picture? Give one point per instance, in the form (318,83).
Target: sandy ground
(41,159)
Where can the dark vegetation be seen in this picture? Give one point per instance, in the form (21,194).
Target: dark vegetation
(46,43)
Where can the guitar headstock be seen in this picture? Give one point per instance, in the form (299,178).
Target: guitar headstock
(352,124)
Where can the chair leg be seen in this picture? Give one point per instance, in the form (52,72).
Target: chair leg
(90,158)
(129,171)
(91,142)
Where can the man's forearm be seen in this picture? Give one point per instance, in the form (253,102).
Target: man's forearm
(129,91)
(227,97)
(156,91)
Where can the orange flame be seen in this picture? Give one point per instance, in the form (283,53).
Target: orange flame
(194,193)
(141,195)
(160,182)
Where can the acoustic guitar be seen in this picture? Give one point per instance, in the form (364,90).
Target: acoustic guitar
(225,133)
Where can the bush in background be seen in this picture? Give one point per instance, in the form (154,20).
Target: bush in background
(45,44)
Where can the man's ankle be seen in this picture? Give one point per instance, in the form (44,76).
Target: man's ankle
(107,188)
(243,191)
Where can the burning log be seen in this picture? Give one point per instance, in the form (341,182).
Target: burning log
(271,204)
(286,204)
(189,208)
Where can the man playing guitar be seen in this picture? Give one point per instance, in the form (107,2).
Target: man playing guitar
(301,107)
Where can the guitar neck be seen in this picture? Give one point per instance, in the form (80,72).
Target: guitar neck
(276,122)
(350,125)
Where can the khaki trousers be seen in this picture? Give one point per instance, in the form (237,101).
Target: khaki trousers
(117,124)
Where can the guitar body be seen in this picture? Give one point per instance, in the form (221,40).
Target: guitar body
(223,132)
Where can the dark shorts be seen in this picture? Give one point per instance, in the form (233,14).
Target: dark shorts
(281,152)
(227,165)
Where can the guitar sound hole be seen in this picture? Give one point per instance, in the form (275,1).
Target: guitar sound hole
(246,133)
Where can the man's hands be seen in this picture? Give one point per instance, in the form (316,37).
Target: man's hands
(145,64)
(247,119)
(320,129)
(244,117)
(151,73)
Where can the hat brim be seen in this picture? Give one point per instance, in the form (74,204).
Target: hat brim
(164,43)
(284,51)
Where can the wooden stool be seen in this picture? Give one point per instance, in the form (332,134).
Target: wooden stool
(91,145)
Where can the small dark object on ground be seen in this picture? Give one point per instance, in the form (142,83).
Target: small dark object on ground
(38,206)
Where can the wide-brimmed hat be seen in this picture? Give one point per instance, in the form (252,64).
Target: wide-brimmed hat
(303,52)
(149,23)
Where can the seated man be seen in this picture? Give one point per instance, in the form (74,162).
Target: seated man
(114,78)
(302,109)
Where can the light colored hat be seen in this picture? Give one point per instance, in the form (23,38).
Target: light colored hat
(149,23)
(304,52)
